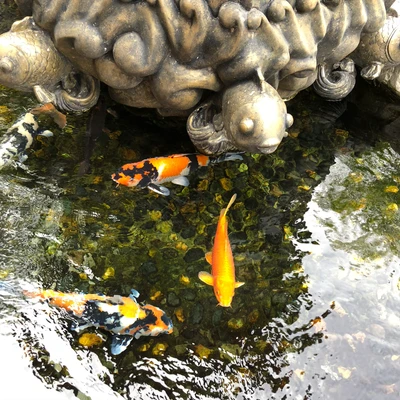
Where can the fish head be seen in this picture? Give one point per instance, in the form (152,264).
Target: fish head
(224,292)
(255,117)
(157,321)
(152,321)
(125,179)
(28,58)
(139,174)
(15,67)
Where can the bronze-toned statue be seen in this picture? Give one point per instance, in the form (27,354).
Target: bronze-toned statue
(227,65)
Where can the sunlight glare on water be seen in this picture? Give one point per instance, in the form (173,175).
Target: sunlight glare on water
(354,264)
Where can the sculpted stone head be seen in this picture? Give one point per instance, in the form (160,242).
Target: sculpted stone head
(255,117)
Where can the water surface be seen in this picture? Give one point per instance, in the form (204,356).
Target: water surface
(314,231)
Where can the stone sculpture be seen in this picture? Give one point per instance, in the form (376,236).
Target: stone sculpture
(227,65)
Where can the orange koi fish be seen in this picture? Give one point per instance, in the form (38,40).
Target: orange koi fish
(151,172)
(222,275)
(122,316)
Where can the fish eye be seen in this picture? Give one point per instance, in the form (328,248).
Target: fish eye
(6,65)
(246,126)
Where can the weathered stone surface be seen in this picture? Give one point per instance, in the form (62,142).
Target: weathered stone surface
(243,57)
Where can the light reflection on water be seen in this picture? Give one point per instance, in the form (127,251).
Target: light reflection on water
(28,329)
(40,333)
(359,356)
(337,339)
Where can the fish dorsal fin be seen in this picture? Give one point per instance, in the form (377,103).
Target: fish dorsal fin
(209,257)
(206,278)
(23,25)
(225,210)
(238,284)
(120,343)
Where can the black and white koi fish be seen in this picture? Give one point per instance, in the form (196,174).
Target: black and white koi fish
(18,138)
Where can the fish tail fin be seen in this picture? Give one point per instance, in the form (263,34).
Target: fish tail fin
(7,289)
(37,293)
(231,201)
(227,157)
(11,293)
(17,288)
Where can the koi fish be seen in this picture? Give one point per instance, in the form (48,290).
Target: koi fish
(18,138)
(122,316)
(151,172)
(222,275)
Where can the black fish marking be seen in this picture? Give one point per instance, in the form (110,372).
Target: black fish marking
(166,320)
(103,319)
(145,181)
(143,323)
(193,162)
(29,128)
(148,172)
(22,141)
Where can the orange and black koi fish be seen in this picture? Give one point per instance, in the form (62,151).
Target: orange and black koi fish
(222,275)
(122,316)
(151,172)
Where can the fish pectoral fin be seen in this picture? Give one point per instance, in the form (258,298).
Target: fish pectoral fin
(22,157)
(181,180)
(207,278)
(46,133)
(134,294)
(80,325)
(158,189)
(209,257)
(238,284)
(120,343)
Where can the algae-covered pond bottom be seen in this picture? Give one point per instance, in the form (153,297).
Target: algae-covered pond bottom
(315,233)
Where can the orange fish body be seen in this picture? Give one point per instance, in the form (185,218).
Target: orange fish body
(71,302)
(122,316)
(222,276)
(152,172)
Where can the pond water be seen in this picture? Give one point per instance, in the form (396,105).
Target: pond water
(315,232)
(315,235)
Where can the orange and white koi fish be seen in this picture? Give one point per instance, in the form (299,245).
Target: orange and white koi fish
(152,172)
(222,275)
(122,316)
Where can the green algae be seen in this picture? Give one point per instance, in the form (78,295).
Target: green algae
(366,194)
(8,14)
